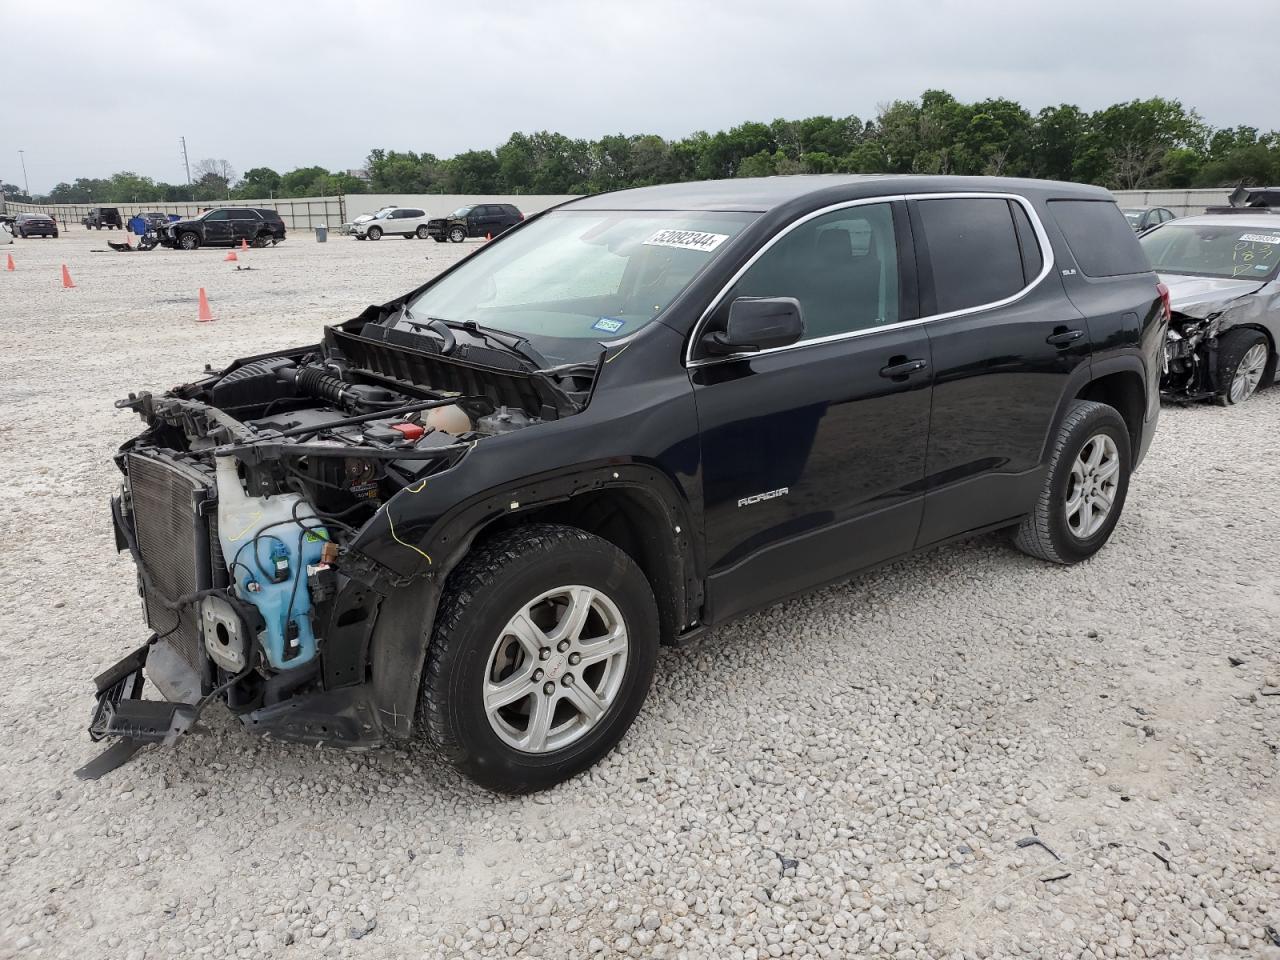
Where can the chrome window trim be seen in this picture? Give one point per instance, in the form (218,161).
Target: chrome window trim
(1046,253)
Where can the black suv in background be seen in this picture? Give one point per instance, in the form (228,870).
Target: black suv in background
(472,514)
(478,220)
(100,217)
(225,227)
(34,225)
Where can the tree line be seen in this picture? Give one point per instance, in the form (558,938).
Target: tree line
(1141,144)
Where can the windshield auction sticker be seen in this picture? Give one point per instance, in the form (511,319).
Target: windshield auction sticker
(687,239)
(1258,238)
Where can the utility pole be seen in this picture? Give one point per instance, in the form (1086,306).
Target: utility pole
(186,165)
(25,186)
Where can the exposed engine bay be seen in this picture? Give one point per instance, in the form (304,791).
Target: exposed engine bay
(243,495)
(1191,353)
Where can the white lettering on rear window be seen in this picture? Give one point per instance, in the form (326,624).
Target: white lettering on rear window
(1258,238)
(687,240)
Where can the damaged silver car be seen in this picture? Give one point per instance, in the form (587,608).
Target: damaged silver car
(1221,273)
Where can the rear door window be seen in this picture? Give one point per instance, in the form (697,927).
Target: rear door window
(1100,238)
(1032,257)
(973,251)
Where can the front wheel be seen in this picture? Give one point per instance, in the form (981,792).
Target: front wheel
(457,235)
(188,241)
(422,232)
(374,233)
(541,656)
(1085,487)
(1242,360)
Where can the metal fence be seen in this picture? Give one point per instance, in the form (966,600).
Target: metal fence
(298,213)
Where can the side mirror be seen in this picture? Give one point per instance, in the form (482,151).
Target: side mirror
(758,323)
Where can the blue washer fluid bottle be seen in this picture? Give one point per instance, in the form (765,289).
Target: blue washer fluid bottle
(271,572)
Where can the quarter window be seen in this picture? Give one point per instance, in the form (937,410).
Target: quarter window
(842,267)
(973,251)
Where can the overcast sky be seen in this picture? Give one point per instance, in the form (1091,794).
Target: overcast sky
(96,87)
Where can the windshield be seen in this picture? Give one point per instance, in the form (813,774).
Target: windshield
(582,275)
(1250,253)
(1133,216)
(461,212)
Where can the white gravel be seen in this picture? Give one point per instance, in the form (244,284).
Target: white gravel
(842,775)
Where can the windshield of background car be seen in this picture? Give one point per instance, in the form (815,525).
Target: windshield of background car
(582,275)
(1133,216)
(461,212)
(1201,250)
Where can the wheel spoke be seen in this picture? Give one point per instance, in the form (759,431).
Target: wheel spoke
(1109,469)
(582,697)
(1105,499)
(511,690)
(593,651)
(535,738)
(575,615)
(531,637)
(1086,518)
(1095,453)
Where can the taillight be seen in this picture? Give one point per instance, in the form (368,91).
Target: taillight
(1165,301)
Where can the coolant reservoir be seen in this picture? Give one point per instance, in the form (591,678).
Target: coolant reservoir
(451,419)
(268,542)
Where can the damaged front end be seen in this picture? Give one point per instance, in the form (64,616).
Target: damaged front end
(247,503)
(1198,322)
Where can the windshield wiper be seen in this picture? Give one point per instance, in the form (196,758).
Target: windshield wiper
(514,343)
(448,342)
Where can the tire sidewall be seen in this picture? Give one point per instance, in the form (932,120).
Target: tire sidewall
(374,233)
(1070,547)
(484,756)
(188,241)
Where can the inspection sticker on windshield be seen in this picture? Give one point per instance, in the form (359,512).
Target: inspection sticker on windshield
(687,239)
(1259,238)
(608,325)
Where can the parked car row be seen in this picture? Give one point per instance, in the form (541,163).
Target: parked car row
(473,220)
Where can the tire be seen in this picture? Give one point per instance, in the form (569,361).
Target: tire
(374,233)
(1050,532)
(262,241)
(457,234)
(189,241)
(409,236)
(55,234)
(421,232)
(469,644)
(440,239)
(1243,359)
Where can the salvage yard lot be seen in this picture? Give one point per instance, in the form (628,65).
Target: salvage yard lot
(844,774)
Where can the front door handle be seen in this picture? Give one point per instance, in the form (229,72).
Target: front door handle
(1061,336)
(900,369)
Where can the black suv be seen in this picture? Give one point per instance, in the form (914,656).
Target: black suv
(100,217)
(477,220)
(225,227)
(476,511)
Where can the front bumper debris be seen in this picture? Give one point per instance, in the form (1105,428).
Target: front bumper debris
(119,711)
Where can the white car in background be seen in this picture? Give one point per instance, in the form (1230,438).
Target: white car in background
(391,221)
(363,218)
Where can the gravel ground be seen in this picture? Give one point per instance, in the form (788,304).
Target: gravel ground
(846,774)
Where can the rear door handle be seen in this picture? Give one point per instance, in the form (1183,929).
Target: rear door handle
(902,370)
(1062,337)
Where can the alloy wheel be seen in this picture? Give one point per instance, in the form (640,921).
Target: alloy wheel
(556,669)
(1248,373)
(1092,486)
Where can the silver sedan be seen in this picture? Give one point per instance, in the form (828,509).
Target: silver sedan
(1221,273)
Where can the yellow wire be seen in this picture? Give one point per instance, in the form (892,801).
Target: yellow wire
(619,353)
(391,523)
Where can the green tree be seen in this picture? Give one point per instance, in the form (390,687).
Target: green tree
(260,183)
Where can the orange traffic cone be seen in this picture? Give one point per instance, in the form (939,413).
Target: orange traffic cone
(66,278)
(9,265)
(488,237)
(244,244)
(204,315)
(230,257)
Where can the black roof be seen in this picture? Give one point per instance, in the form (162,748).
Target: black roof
(765,193)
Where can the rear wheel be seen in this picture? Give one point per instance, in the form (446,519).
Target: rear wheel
(1085,488)
(457,234)
(262,240)
(541,656)
(374,233)
(1242,360)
